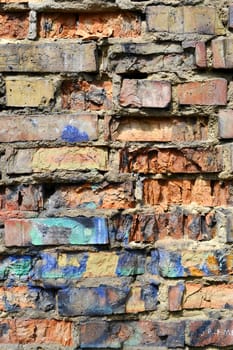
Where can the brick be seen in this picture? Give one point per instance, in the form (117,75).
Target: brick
(89,26)
(176,264)
(145,93)
(133,334)
(103,196)
(92,301)
(176,223)
(143,298)
(89,265)
(167,192)
(200,227)
(222,53)
(48,57)
(225,126)
(198,296)
(40,90)
(148,129)
(186,19)
(36,331)
(15,267)
(66,158)
(56,231)
(22,197)
(225,223)
(175,295)
(82,95)
(210,332)
(211,92)
(230,20)
(62,158)
(15,299)
(14,25)
(201,54)
(69,128)
(160,161)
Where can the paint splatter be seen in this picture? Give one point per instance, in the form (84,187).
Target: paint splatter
(72,134)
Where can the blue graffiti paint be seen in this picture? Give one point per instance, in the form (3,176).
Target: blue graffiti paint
(170,264)
(72,134)
(130,263)
(152,265)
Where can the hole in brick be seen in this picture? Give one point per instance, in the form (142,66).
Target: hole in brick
(20,198)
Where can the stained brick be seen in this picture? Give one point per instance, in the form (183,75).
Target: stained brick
(51,159)
(69,128)
(145,93)
(14,25)
(186,19)
(56,231)
(36,331)
(145,129)
(184,160)
(210,332)
(174,264)
(210,92)
(110,196)
(48,57)
(165,192)
(16,267)
(230,22)
(83,95)
(18,88)
(143,298)
(90,26)
(20,298)
(225,125)
(132,334)
(68,266)
(101,300)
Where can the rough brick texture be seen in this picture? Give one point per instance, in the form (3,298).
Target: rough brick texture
(116,174)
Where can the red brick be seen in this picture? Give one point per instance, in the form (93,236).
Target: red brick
(160,161)
(167,192)
(139,333)
(70,128)
(210,332)
(175,295)
(36,331)
(82,95)
(200,227)
(22,197)
(225,124)
(106,196)
(197,296)
(201,54)
(222,53)
(145,93)
(14,25)
(166,129)
(210,92)
(89,26)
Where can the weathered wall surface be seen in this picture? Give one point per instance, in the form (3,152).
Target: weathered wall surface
(116,190)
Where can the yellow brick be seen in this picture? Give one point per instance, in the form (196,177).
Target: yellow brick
(28,92)
(101,265)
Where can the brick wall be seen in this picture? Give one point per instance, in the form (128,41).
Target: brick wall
(116,192)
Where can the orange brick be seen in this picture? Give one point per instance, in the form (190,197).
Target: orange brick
(165,192)
(210,92)
(14,25)
(197,296)
(89,26)
(21,331)
(81,95)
